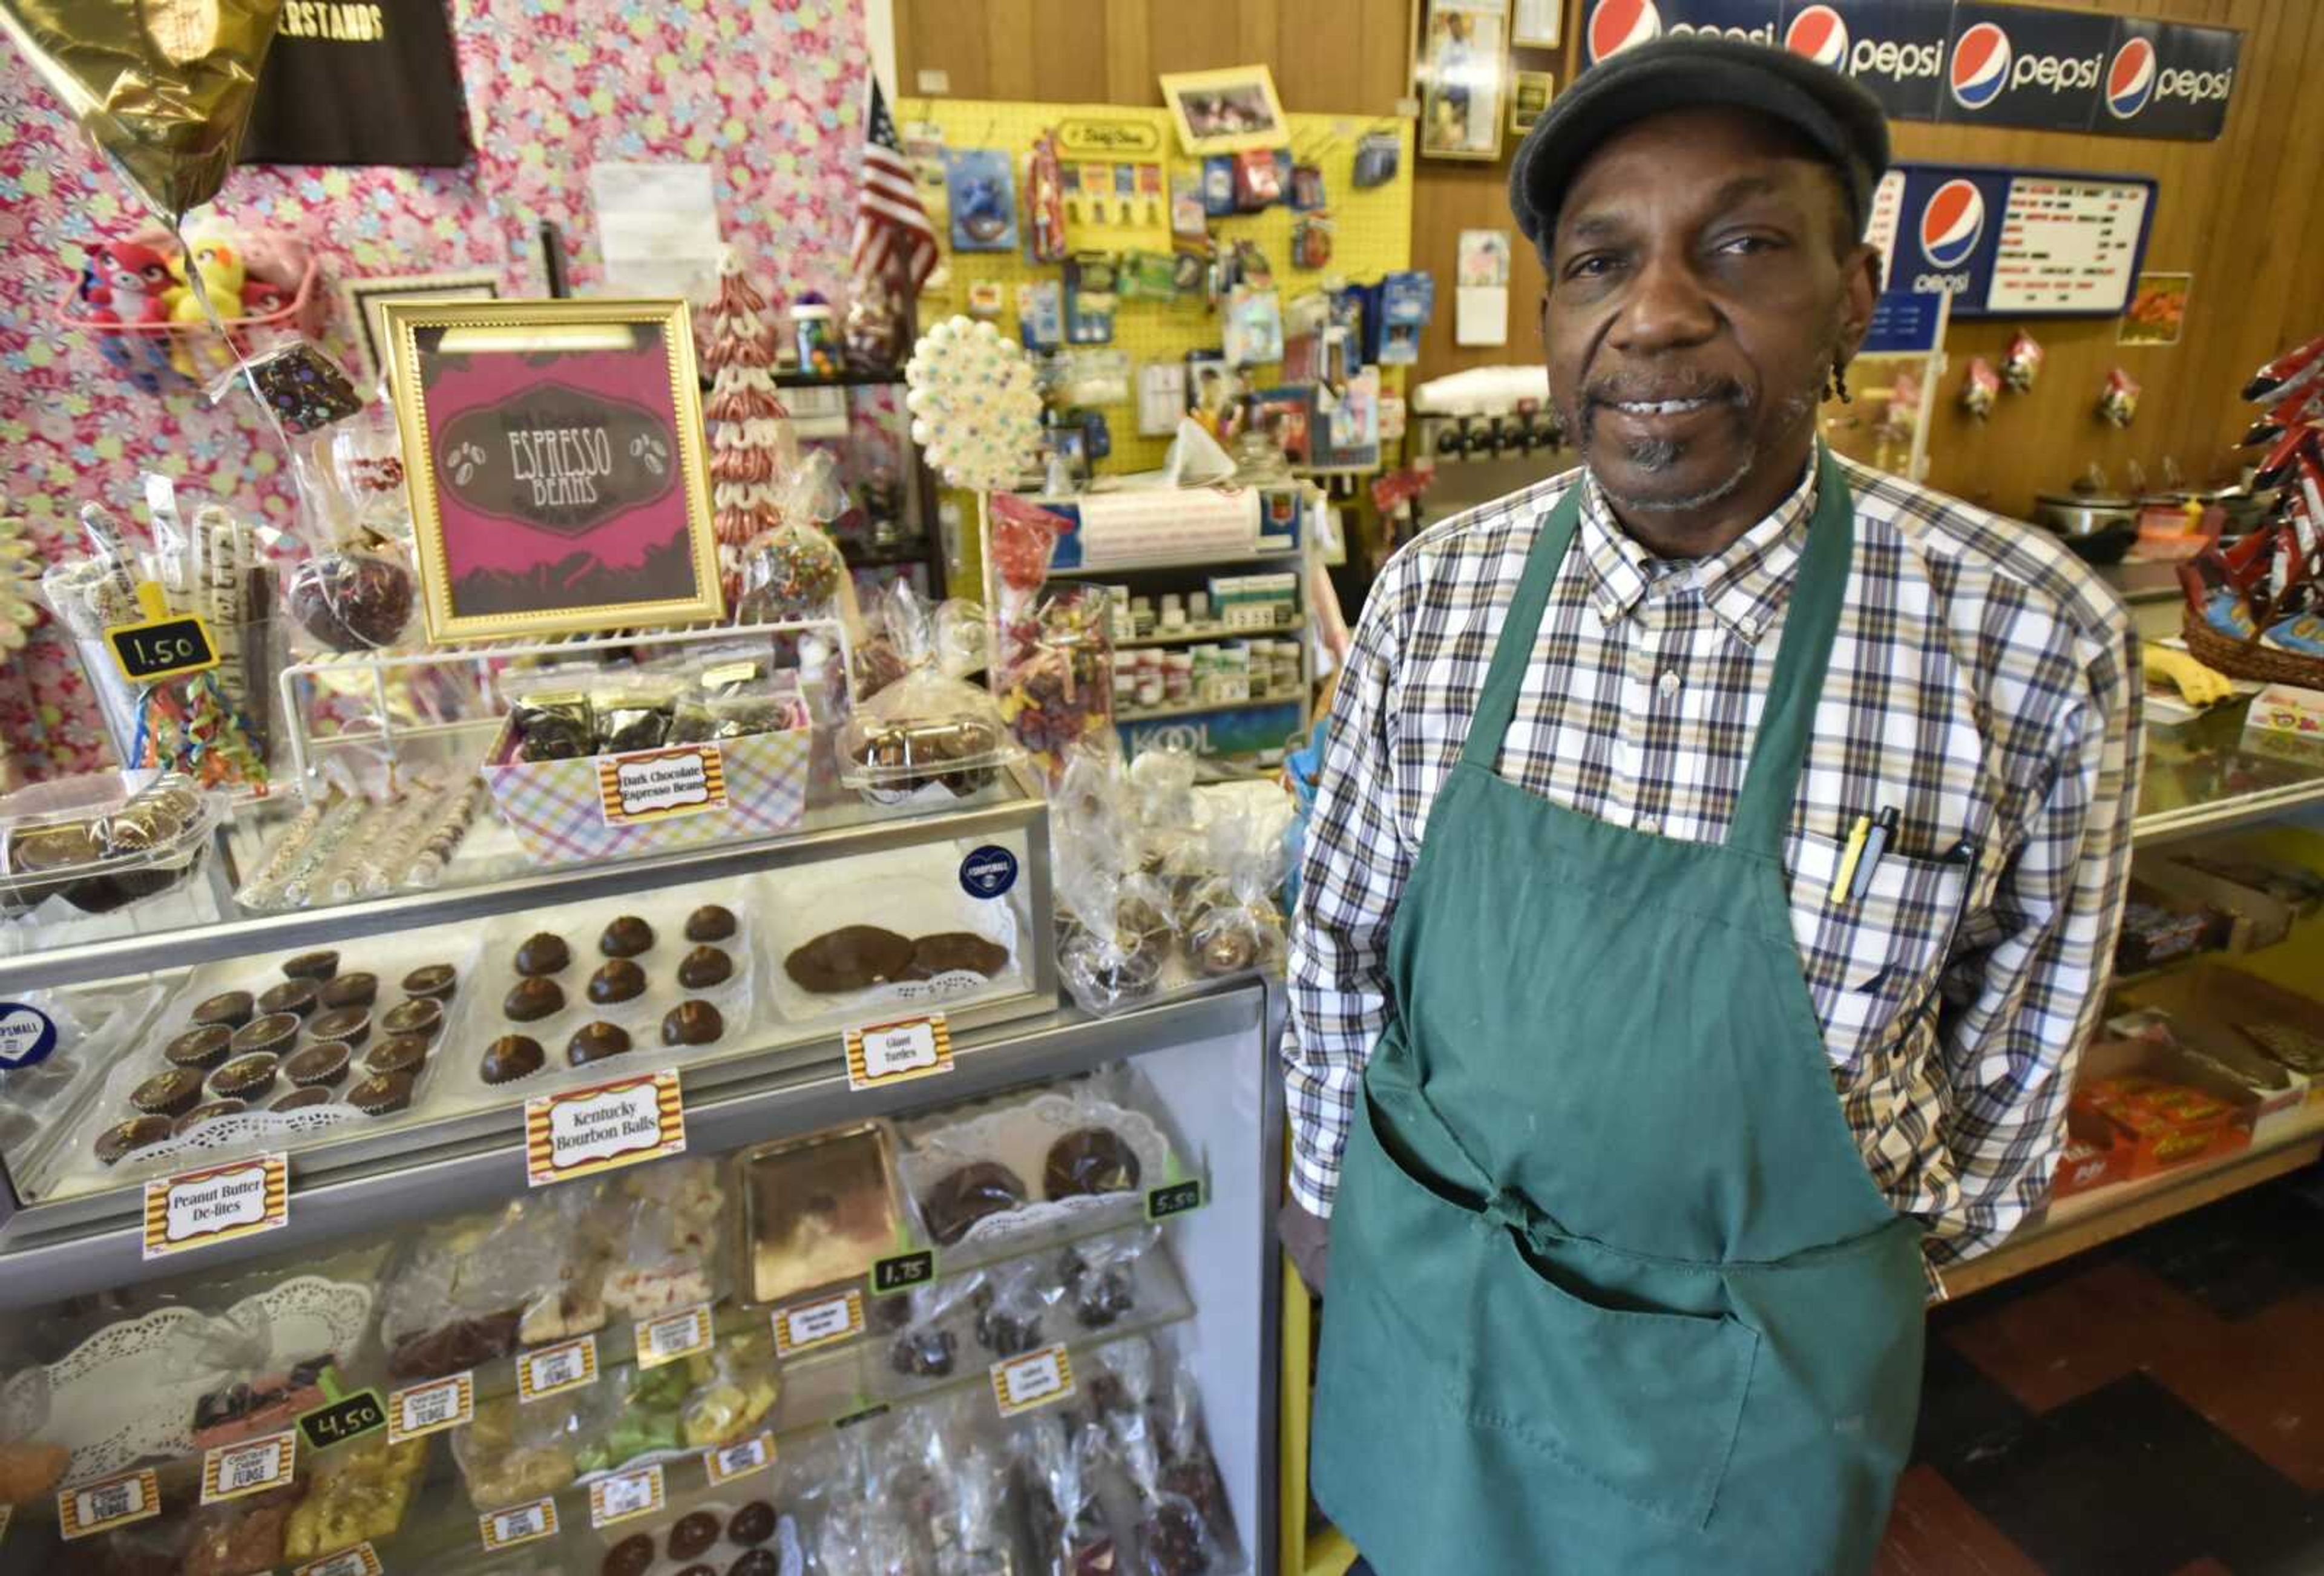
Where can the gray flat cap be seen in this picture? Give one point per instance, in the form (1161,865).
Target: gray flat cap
(1838,119)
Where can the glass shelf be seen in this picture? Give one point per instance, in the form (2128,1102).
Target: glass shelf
(2205,775)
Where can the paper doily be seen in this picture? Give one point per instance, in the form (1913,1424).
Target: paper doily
(1018,1136)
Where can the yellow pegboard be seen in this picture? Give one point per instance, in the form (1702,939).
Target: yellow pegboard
(1373,236)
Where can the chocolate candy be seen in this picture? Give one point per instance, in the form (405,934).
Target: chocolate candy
(533,998)
(209,1110)
(511,1057)
(617,981)
(349,1025)
(302,1100)
(633,1556)
(961,1198)
(351,601)
(756,1562)
(199,1047)
(381,1093)
(543,953)
(398,1053)
(245,1077)
(956,952)
(704,967)
(711,923)
(295,996)
(421,1016)
(593,1042)
(169,1093)
(351,990)
(692,1023)
(554,727)
(312,965)
(323,1063)
(136,1133)
(303,387)
(272,1035)
(753,1524)
(1089,1160)
(434,981)
(691,1534)
(849,959)
(927,1354)
(631,726)
(230,1008)
(626,938)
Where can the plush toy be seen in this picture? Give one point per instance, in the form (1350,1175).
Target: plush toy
(125,282)
(262,298)
(220,267)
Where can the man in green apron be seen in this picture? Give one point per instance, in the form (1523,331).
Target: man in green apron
(1714,873)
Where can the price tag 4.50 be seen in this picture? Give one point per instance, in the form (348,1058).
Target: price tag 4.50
(879,1053)
(229,1471)
(337,1422)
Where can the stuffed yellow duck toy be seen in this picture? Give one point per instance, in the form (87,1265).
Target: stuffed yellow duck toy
(220,267)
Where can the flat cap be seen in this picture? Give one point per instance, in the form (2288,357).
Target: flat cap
(1838,119)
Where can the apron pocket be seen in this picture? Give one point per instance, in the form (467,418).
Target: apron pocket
(1568,1350)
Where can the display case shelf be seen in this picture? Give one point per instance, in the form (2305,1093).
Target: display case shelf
(2205,776)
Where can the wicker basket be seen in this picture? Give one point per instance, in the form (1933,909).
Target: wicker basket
(2249,659)
(154,356)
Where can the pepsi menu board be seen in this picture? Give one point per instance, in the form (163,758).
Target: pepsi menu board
(1968,62)
(2018,242)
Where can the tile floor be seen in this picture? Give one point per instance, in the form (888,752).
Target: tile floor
(2152,1408)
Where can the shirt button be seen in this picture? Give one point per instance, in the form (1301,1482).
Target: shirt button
(1669,683)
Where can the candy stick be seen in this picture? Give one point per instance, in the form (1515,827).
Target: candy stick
(444,837)
(286,849)
(318,849)
(400,821)
(218,598)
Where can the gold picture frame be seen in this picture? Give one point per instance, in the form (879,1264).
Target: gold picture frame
(1464,68)
(556,464)
(1226,111)
(1529,96)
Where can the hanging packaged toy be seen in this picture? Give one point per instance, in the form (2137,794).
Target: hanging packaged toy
(1980,386)
(1045,201)
(1307,188)
(1377,157)
(931,737)
(1310,241)
(2021,363)
(1258,182)
(2118,400)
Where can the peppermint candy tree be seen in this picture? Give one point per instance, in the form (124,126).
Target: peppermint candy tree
(753,448)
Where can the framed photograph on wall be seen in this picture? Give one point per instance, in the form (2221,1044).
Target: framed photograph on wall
(554,456)
(363,298)
(1463,72)
(1529,96)
(1226,111)
(1536,24)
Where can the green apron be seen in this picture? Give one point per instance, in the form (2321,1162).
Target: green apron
(1611,1288)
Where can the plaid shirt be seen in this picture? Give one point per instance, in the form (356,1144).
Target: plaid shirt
(1981,682)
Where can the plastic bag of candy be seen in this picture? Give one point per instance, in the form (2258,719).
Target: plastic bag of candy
(931,736)
(1057,672)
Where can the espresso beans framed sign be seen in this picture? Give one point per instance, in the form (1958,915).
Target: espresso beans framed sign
(556,465)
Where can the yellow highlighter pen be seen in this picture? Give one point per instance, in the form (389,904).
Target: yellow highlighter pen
(1846,878)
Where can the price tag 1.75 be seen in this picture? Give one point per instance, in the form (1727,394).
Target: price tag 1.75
(901,1272)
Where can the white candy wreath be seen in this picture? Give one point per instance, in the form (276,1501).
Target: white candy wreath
(976,410)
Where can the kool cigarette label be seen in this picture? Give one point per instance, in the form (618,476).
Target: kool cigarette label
(625,1495)
(657,785)
(1038,1379)
(553,1370)
(231,1471)
(431,1408)
(684,1334)
(583,1132)
(819,1323)
(115,1502)
(900,1049)
(739,1460)
(520,1523)
(217,1205)
(359,1560)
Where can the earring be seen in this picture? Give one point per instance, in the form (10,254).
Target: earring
(1839,385)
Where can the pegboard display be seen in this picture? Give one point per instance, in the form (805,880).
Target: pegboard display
(1372,232)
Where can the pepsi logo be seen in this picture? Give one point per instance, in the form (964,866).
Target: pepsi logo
(1616,24)
(1980,68)
(1951,222)
(1820,34)
(2130,79)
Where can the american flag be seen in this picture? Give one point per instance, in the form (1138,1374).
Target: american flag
(891,227)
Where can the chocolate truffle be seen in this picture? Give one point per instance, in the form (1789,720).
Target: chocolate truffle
(323,1063)
(756,1562)
(245,1077)
(271,1036)
(302,1100)
(206,1112)
(199,1047)
(691,1534)
(755,1522)
(399,1053)
(956,952)
(534,998)
(626,938)
(351,990)
(710,923)
(633,1556)
(351,601)
(511,1057)
(295,996)
(692,1023)
(348,1026)
(421,1016)
(593,1042)
(135,1133)
(381,1093)
(436,982)
(849,959)
(1089,1160)
(543,953)
(925,1354)
(618,981)
(704,967)
(230,1008)
(961,1198)
(312,965)
(169,1093)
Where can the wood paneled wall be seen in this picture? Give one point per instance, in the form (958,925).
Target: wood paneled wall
(2244,215)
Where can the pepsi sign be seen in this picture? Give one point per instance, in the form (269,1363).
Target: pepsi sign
(1961,230)
(2012,66)
(1615,25)
(1949,232)
(1893,49)
(2165,80)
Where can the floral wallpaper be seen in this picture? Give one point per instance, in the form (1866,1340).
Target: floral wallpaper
(770,94)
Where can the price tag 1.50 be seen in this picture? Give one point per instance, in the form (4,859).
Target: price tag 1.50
(162,644)
(229,1471)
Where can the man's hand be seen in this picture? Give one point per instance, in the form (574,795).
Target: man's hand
(1307,1238)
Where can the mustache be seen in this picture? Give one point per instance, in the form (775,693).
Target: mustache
(1640,386)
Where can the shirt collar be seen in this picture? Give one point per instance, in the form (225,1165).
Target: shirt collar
(1744,585)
